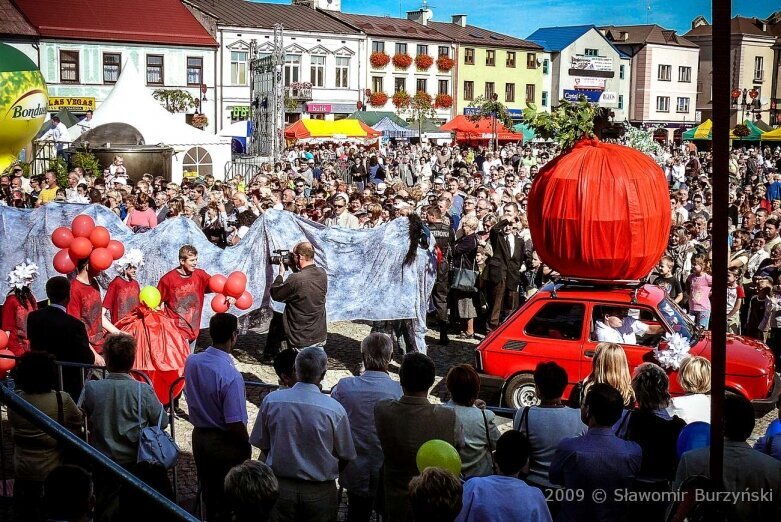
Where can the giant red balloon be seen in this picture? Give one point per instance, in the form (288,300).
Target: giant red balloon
(80,248)
(220,304)
(236,284)
(3,339)
(100,259)
(600,211)
(82,226)
(244,301)
(217,283)
(63,263)
(99,237)
(62,237)
(116,248)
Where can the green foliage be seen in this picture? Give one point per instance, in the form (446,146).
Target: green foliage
(59,166)
(175,100)
(487,108)
(566,124)
(87,161)
(290,104)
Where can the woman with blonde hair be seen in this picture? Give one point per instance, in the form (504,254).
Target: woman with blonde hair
(610,366)
(694,378)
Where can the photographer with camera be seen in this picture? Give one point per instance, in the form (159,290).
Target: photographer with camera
(303,293)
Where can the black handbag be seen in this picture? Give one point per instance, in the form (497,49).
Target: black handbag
(464,279)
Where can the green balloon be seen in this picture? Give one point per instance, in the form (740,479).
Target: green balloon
(438,454)
(150,296)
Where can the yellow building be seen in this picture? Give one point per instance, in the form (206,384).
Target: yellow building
(490,63)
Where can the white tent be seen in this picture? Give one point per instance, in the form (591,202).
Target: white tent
(131,102)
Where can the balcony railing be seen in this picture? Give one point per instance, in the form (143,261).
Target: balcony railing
(299,93)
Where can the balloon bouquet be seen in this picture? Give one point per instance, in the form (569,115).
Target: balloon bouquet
(84,240)
(235,285)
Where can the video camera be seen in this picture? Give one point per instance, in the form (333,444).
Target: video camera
(284,256)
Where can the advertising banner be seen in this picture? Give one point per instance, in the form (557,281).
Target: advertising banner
(603,99)
(73,103)
(591,63)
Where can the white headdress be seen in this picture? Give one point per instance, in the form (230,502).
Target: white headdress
(133,257)
(23,274)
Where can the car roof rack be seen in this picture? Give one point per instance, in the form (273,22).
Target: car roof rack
(569,282)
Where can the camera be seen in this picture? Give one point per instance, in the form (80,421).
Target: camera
(284,256)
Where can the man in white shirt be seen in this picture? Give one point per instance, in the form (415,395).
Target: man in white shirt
(342,218)
(58,133)
(616,326)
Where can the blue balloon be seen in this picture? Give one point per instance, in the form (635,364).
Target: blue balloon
(774,428)
(693,436)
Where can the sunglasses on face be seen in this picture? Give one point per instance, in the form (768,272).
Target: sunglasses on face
(339,206)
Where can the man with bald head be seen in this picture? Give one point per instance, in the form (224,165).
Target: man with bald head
(303,293)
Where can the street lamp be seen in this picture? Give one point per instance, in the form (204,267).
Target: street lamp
(745,104)
(494,137)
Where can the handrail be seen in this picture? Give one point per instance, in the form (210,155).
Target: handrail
(62,435)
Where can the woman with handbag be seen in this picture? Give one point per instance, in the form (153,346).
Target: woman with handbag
(464,280)
(121,409)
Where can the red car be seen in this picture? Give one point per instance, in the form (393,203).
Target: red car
(558,324)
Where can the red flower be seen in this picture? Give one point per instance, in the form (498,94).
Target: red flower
(402,61)
(401,99)
(379,59)
(423,62)
(445,63)
(443,101)
(378,99)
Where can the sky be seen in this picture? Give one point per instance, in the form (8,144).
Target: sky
(520,18)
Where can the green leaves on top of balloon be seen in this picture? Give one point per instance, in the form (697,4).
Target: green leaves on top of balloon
(566,124)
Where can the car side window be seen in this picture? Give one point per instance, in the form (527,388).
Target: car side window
(559,320)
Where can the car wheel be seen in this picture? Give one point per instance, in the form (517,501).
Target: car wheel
(520,392)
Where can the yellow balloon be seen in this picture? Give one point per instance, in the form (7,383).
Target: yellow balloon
(23,102)
(150,296)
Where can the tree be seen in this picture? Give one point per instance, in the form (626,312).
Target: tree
(175,100)
(493,109)
(419,106)
(567,123)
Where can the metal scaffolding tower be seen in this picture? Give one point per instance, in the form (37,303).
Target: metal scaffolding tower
(267,98)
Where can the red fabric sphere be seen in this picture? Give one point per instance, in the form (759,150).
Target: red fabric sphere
(600,211)
(116,248)
(220,304)
(62,237)
(82,226)
(100,259)
(3,340)
(100,237)
(80,248)
(236,284)
(244,301)
(63,263)
(217,283)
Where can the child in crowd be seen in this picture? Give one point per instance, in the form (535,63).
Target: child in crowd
(667,281)
(699,287)
(735,297)
(757,308)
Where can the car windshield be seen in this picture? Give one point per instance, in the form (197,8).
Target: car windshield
(677,319)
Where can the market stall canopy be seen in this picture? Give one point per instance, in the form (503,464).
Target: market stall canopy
(482,129)
(65,116)
(754,133)
(303,129)
(429,129)
(774,135)
(391,129)
(703,131)
(371,118)
(761,125)
(528,132)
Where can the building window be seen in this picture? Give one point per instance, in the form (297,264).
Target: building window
(530,93)
(531,60)
(401,48)
(592,52)
(682,105)
(510,61)
(544,98)
(469,91)
(69,66)
(378,47)
(621,72)
(317,70)
(194,71)
(490,57)
(199,161)
(664,73)
(490,89)
(469,56)
(399,84)
(154,69)
(759,72)
(342,71)
(443,50)
(620,100)
(112,66)
(377,84)
(685,74)
(444,87)
(422,49)
(292,68)
(420,85)
(239,67)
(545,65)
(663,103)
(509,92)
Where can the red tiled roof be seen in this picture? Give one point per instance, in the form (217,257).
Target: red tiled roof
(644,34)
(13,22)
(388,27)
(479,36)
(739,25)
(138,21)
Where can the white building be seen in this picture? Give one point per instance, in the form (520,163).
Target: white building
(664,77)
(582,62)
(323,57)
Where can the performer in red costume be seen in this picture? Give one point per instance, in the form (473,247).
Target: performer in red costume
(19,302)
(122,293)
(86,305)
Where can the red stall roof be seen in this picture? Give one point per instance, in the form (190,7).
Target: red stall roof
(137,21)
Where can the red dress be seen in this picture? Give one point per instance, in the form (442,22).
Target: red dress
(14,321)
(183,298)
(86,306)
(121,297)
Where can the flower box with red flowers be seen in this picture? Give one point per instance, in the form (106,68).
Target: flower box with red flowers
(443,101)
(379,59)
(378,99)
(423,62)
(401,99)
(445,63)
(402,61)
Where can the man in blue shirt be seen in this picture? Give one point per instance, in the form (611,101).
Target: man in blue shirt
(214,389)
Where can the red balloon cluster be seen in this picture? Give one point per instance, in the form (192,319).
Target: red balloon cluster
(85,240)
(5,364)
(232,286)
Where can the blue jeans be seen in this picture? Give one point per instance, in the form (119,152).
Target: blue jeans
(702,318)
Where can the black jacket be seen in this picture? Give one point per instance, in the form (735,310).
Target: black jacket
(304,296)
(502,266)
(52,330)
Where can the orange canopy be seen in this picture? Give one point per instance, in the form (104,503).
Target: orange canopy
(328,129)
(482,129)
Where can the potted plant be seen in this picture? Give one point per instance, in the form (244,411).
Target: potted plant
(423,62)
(378,99)
(401,99)
(445,63)
(379,59)
(199,121)
(443,101)
(402,61)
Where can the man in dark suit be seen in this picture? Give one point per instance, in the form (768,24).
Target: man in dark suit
(52,330)
(504,266)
